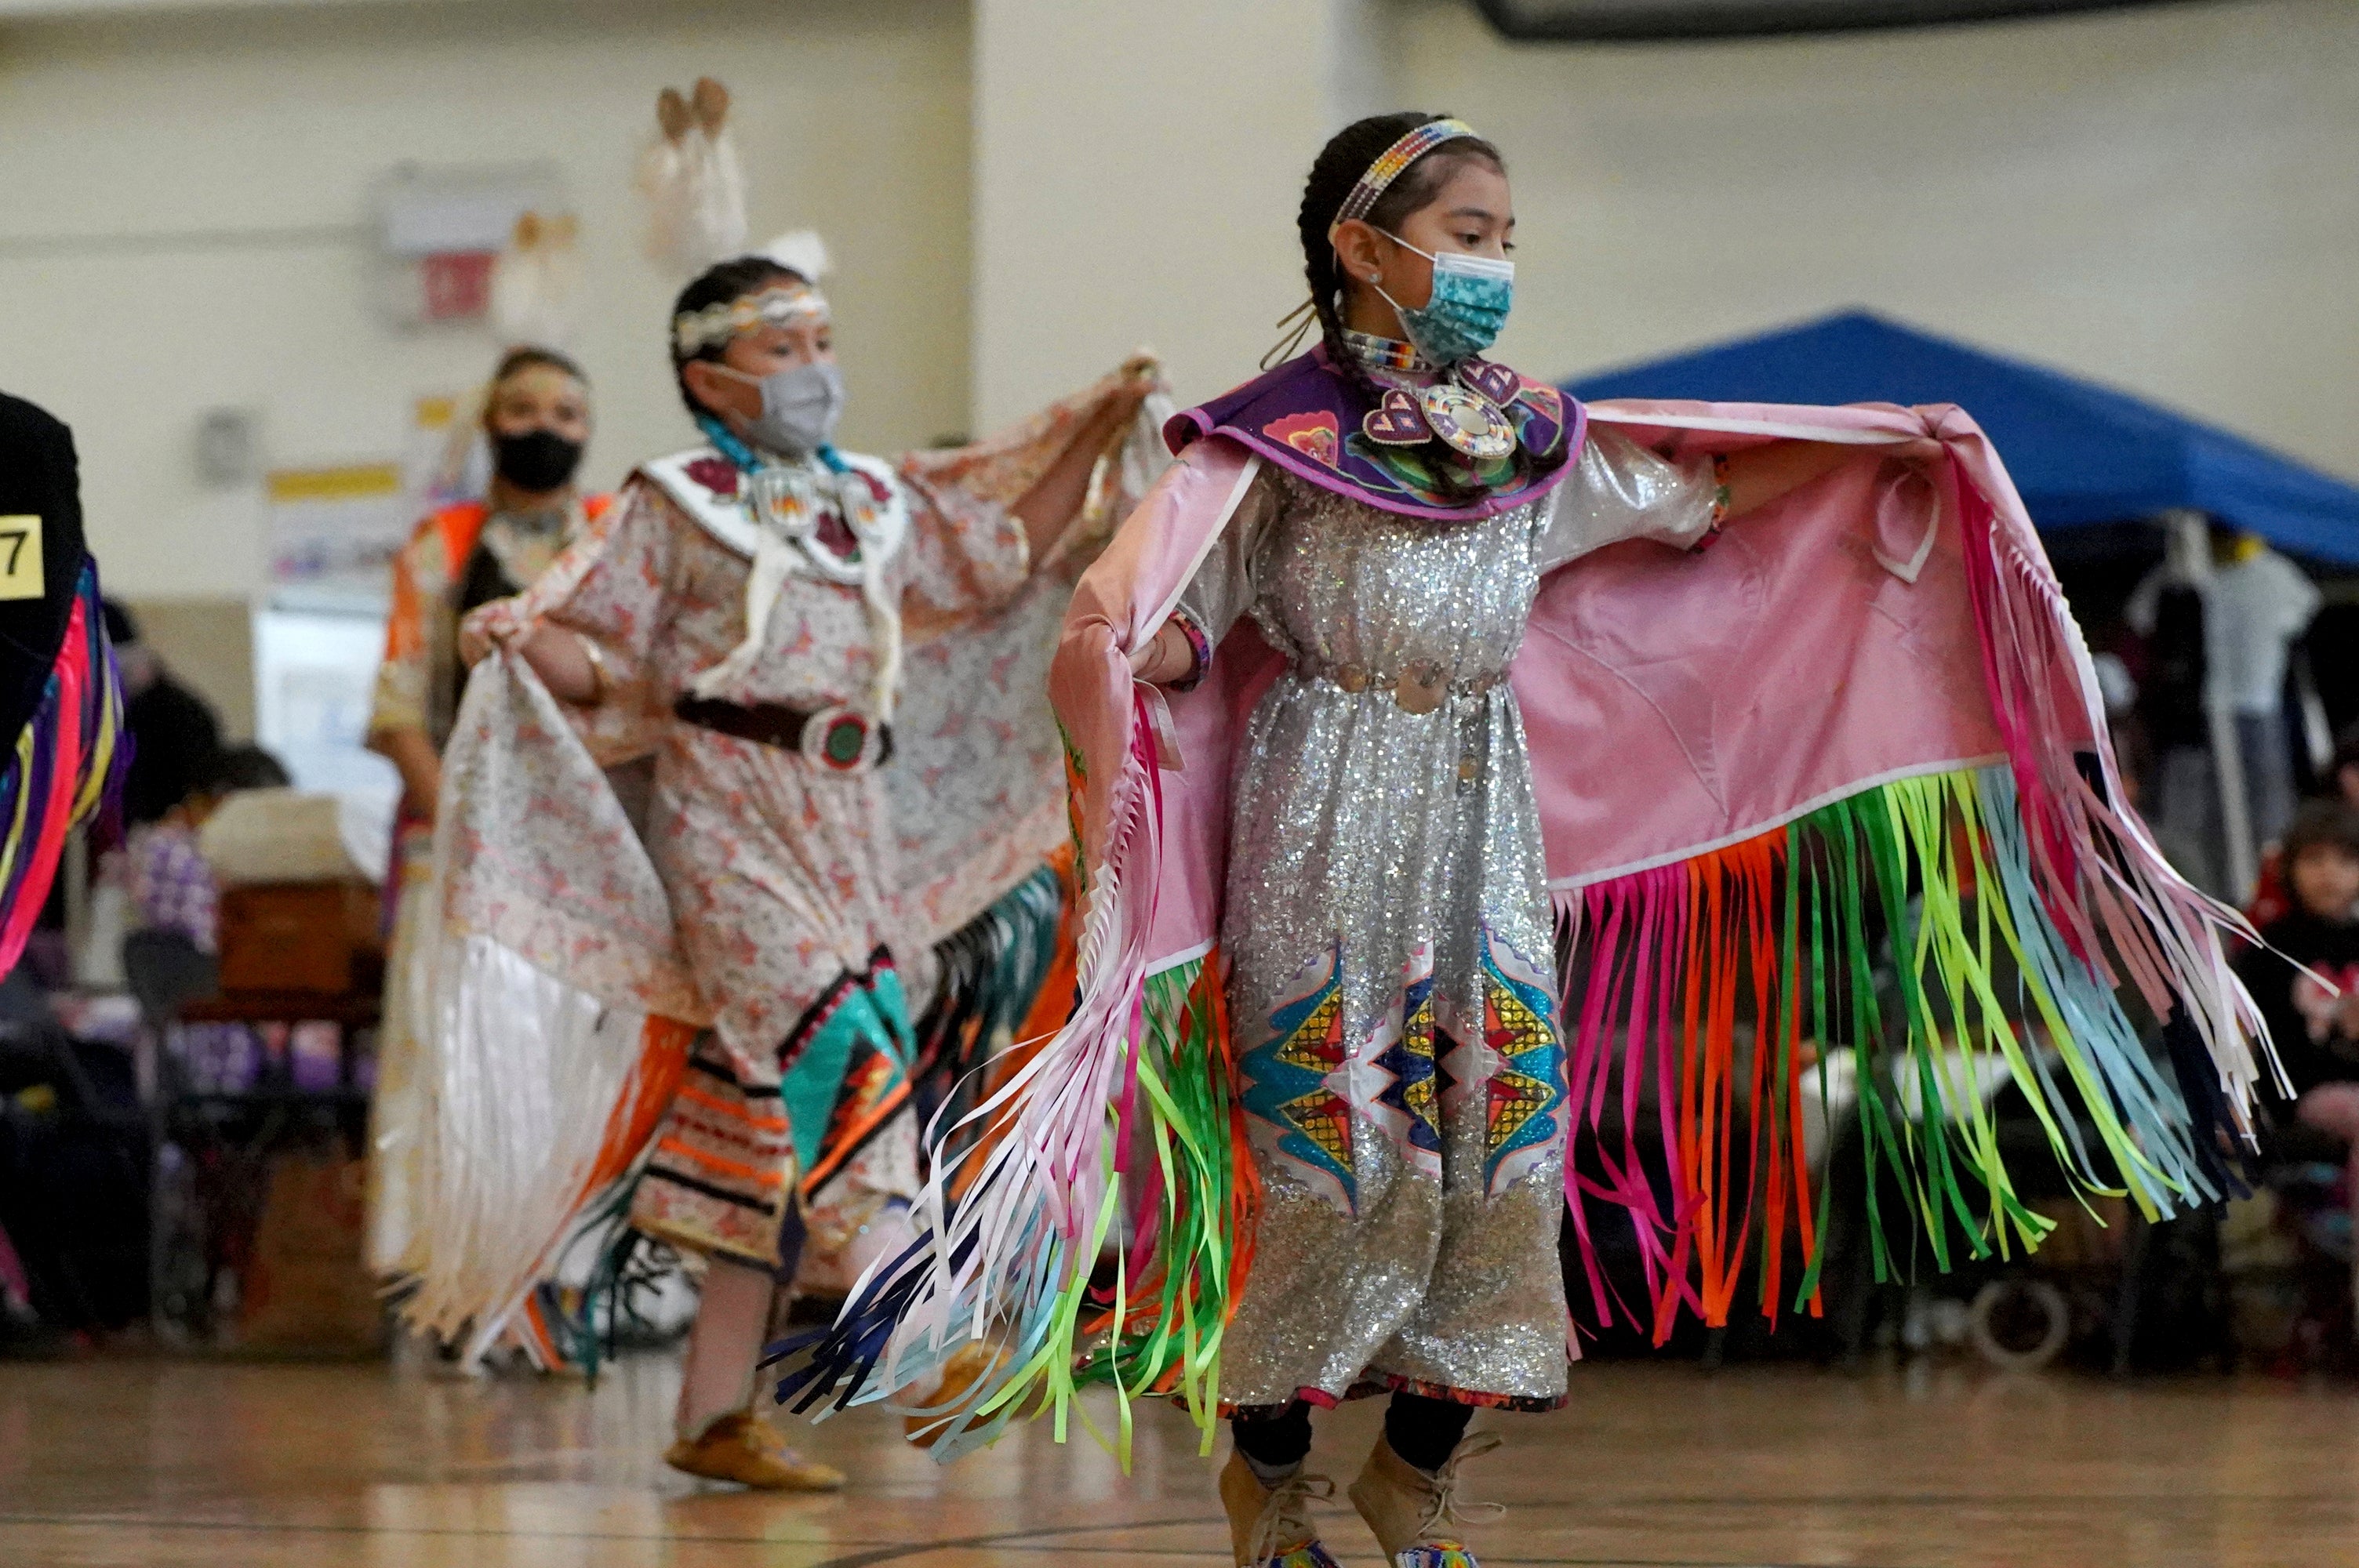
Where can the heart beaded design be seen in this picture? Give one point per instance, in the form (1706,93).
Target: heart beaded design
(1496,382)
(1397,421)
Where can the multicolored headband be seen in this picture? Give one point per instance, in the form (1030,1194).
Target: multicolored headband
(1389,164)
(781,305)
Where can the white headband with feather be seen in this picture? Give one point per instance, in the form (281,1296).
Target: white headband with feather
(802,252)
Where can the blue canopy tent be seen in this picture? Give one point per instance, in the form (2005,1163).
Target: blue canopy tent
(2082,454)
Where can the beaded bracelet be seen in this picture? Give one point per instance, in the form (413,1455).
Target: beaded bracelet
(601,681)
(1200,653)
(1718,502)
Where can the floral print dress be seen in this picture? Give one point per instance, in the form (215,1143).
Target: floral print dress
(777,869)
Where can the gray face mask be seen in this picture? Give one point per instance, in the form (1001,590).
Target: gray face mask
(800,407)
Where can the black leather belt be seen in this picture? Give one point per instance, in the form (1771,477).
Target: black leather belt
(834,738)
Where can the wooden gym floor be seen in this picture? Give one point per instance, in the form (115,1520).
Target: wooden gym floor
(165,1465)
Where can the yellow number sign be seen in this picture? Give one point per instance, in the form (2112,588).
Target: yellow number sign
(20,558)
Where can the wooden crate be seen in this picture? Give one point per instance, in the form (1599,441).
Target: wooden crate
(301,937)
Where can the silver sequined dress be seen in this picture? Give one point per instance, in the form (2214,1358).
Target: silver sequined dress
(1389,939)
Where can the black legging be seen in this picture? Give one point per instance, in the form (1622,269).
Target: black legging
(1422,1431)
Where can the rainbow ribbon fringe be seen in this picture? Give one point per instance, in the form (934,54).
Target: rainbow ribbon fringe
(1131,1110)
(68,767)
(1901,927)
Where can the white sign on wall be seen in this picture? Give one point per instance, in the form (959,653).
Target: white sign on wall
(340,526)
(442,232)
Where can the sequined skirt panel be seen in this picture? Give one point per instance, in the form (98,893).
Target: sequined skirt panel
(1389,944)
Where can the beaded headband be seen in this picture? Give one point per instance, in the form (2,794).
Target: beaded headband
(1391,162)
(781,305)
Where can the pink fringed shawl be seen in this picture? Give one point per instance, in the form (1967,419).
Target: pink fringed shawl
(1868,692)
(1887,621)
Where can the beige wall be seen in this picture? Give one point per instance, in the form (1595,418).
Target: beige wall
(259,127)
(2164,198)
(1137,169)
(2167,198)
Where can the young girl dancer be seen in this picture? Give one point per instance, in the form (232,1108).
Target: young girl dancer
(1385,863)
(1407,669)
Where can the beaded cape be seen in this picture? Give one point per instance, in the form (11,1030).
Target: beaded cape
(1307,417)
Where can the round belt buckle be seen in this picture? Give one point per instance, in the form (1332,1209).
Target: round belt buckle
(839,740)
(1421,688)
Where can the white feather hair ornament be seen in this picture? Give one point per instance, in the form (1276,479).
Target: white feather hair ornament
(800,251)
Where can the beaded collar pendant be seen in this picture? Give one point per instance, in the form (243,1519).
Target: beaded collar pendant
(820,502)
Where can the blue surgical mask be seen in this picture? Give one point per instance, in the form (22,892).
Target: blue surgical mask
(1471,296)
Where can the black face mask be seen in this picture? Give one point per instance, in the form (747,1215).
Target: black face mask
(536,460)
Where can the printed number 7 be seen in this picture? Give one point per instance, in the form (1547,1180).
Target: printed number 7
(15,537)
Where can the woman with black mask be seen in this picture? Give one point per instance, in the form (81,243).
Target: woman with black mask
(537,420)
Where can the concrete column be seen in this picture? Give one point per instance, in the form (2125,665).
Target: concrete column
(1137,169)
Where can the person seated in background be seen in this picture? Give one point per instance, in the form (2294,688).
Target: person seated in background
(171,886)
(176,905)
(176,735)
(2272,897)
(2305,975)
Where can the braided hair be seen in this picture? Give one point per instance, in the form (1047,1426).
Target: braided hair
(1338,168)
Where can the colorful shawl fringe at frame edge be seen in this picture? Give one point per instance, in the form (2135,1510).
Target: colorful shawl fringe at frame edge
(68,767)
(1901,929)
